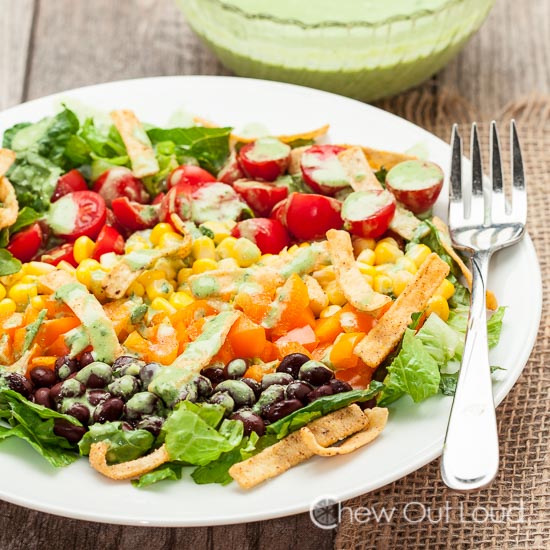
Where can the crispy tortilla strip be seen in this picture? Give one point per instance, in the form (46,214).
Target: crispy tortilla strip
(318,300)
(138,144)
(285,138)
(354,286)
(377,419)
(294,165)
(404,222)
(9,206)
(124,273)
(387,159)
(55,279)
(292,450)
(217,283)
(441,226)
(383,338)
(7,158)
(125,470)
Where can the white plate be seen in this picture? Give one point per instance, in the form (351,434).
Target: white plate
(414,435)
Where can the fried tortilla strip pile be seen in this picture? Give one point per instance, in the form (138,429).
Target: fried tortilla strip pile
(125,470)
(354,286)
(441,226)
(386,159)
(138,144)
(383,338)
(285,138)
(123,274)
(293,449)
(9,208)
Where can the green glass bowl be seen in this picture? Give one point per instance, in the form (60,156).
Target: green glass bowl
(366,59)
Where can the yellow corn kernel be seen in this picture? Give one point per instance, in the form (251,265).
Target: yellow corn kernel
(204,264)
(367,256)
(389,240)
(219,230)
(386,252)
(203,247)
(38,268)
(183,274)
(67,267)
(418,253)
(136,242)
(84,270)
(151,275)
(170,240)
(38,302)
(400,279)
(293,249)
(162,304)
(407,264)
(329,311)
(28,279)
(445,289)
(2,291)
(136,289)
(159,230)
(366,269)
(228,263)
(83,248)
(325,275)
(385,269)
(180,299)
(305,244)
(168,267)
(246,252)
(7,307)
(383,284)
(20,293)
(360,244)
(226,247)
(439,306)
(334,294)
(159,288)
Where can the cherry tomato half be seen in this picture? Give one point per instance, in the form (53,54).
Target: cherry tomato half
(120,182)
(108,240)
(309,217)
(190,175)
(176,201)
(69,182)
(368,213)
(231,170)
(261,197)
(264,159)
(78,213)
(268,234)
(63,253)
(133,215)
(25,244)
(322,170)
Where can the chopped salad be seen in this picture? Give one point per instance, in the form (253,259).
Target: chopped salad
(186,297)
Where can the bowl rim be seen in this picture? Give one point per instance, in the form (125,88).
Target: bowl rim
(425,12)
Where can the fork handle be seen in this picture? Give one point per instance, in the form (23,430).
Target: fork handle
(470,453)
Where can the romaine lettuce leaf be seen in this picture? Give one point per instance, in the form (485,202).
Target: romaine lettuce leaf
(169,471)
(440,340)
(8,264)
(494,327)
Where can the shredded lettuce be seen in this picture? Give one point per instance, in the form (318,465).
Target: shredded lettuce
(441,340)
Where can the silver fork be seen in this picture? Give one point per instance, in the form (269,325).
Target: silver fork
(480,222)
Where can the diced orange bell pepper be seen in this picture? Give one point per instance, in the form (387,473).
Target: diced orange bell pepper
(254,306)
(286,348)
(353,320)
(269,353)
(47,361)
(328,328)
(247,339)
(257,372)
(320,351)
(341,356)
(58,347)
(225,354)
(302,335)
(358,377)
(160,346)
(19,340)
(30,315)
(51,329)
(193,312)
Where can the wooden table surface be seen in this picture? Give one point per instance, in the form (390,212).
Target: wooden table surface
(49,46)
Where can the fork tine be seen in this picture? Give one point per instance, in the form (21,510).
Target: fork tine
(456,165)
(477,207)
(498,202)
(519,194)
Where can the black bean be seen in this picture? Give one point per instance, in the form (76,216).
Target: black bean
(321,391)
(42,377)
(95,397)
(146,373)
(271,395)
(242,393)
(225,400)
(65,366)
(70,432)
(141,404)
(67,389)
(291,363)
(42,397)
(95,375)
(214,374)
(188,393)
(109,410)
(126,364)
(124,387)
(252,422)
(235,369)
(204,386)
(79,411)
(17,382)
(152,424)
(339,386)
(86,358)
(298,390)
(281,409)
(315,373)
(370,404)
(254,384)
(282,378)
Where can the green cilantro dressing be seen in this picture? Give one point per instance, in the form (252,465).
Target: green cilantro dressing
(77,339)
(414,174)
(329,171)
(205,286)
(62,215)
(216,202)
(268,148)
(138,259)
(362,204)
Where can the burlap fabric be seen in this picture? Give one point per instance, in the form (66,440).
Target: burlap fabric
(514,512)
